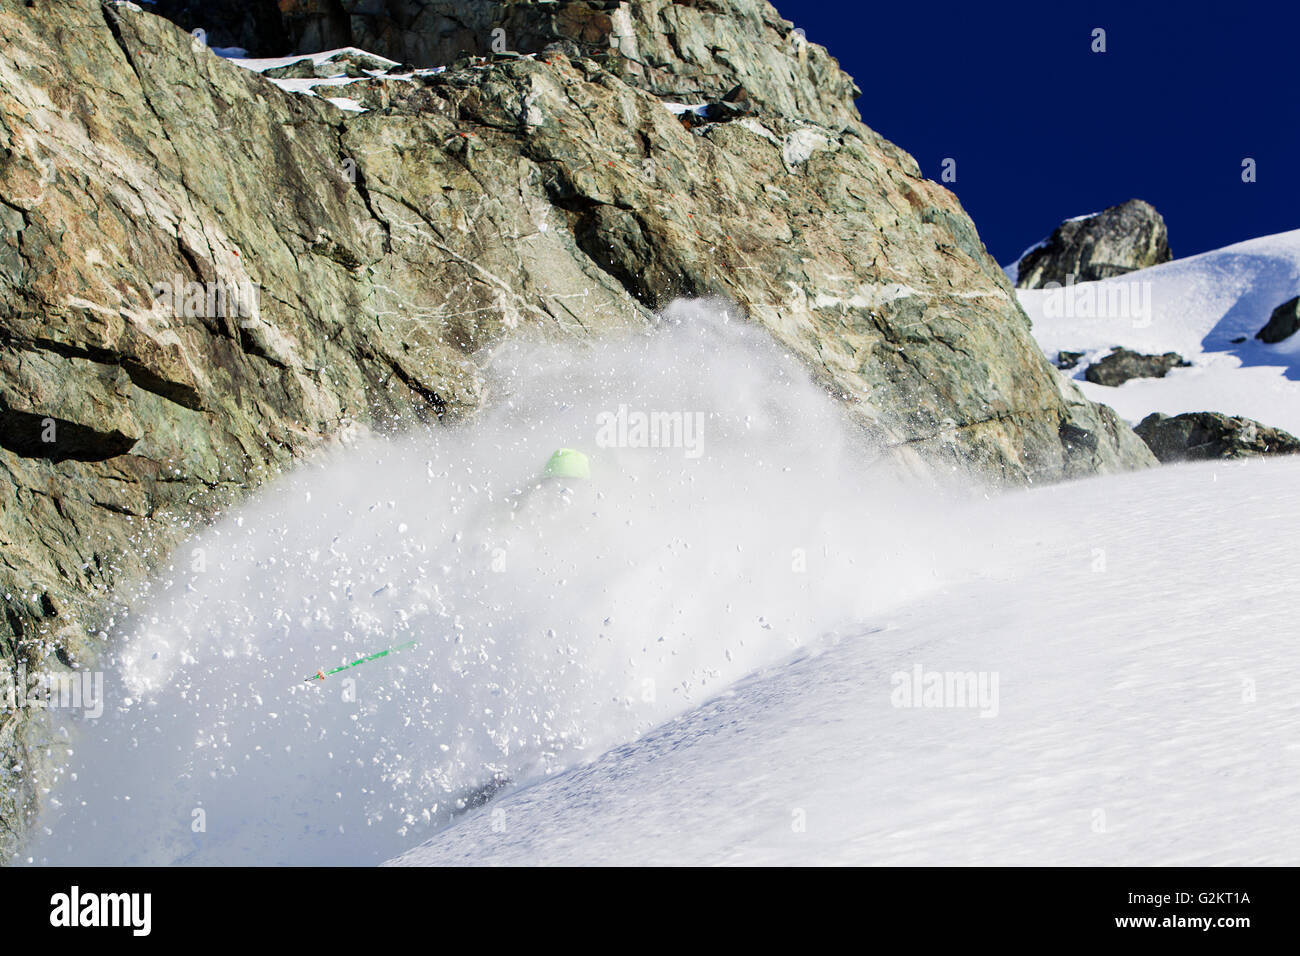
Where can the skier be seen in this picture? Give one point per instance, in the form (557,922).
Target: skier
(565,477)
(567,463)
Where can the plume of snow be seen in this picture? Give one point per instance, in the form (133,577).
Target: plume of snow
(552,620)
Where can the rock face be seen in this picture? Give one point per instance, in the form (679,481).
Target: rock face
(1123,364)
(689,51)
(256,26)
(204,278)
(1205,435)
(1282,324)
(1121,239)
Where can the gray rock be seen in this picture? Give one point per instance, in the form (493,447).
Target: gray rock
(1205,435)
(1121,239)
(1122,364)
(1068,360)
(1282,324)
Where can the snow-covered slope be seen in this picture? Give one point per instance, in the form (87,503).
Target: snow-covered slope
(1142,633)
(1197,307)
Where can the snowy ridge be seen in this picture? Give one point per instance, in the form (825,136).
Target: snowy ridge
(1200,307)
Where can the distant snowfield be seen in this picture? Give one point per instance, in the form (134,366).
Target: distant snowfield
(1198,305)
(1141,629)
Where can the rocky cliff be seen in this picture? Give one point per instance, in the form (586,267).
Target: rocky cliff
(204,277)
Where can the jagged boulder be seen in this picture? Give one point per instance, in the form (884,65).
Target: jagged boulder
(1121,239)
(1204,435)
(1123,364)
(1282,324)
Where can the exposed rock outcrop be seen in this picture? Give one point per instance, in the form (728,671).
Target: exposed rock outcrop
(696,51)
(1121,239)
(1282,324)
(146,185)
(1205,435)
(1123,364)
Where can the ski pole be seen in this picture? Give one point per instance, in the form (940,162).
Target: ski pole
(322,674)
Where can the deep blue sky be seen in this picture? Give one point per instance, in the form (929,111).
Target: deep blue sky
(1043,129)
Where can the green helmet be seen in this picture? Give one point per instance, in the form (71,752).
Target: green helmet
(567,463)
